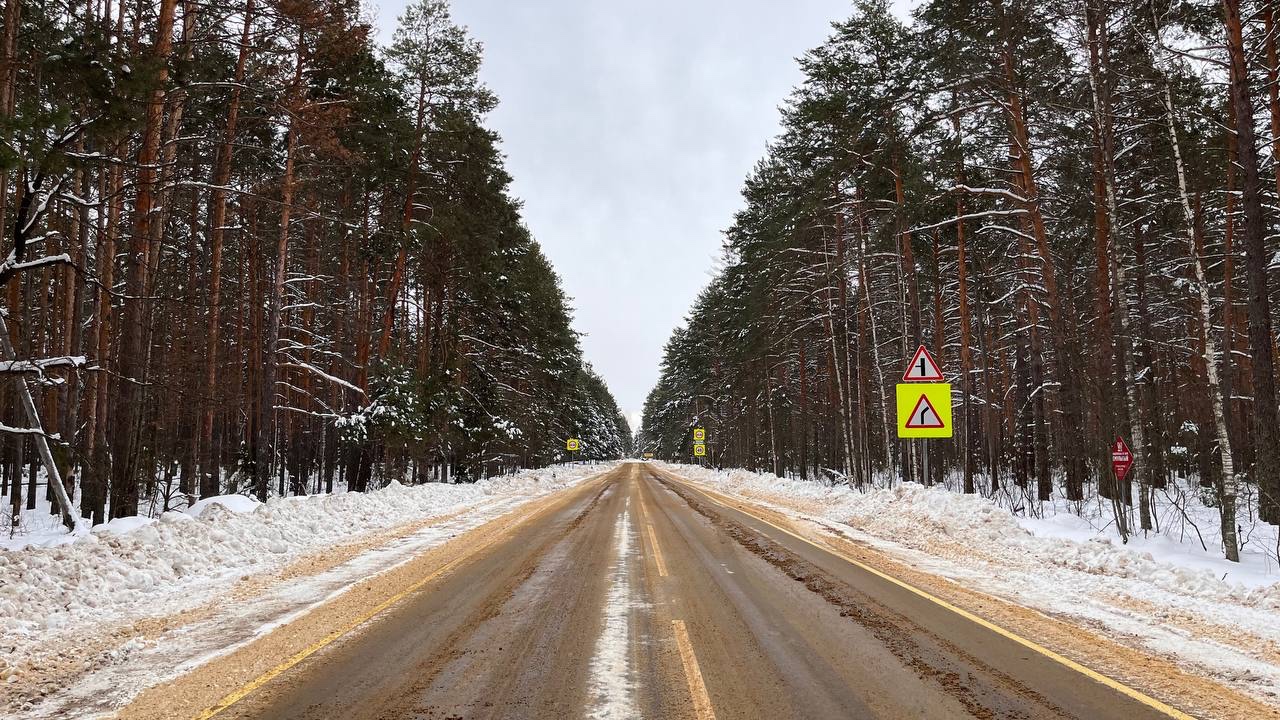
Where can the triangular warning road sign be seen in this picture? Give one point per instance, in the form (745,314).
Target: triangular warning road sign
(923,368)
(924,416)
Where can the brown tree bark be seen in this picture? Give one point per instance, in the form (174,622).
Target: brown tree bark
(1070,445)
(962,277)
(265,445)
(133,353)
(209,481)
(1266,464)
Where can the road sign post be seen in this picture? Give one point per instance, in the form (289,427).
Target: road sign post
(572,445)
(924,403)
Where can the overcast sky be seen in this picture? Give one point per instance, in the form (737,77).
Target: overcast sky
(629,129)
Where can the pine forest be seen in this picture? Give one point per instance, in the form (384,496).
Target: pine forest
(1073,204)
(249,250)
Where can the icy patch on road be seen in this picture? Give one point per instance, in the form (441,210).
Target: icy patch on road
(612,685)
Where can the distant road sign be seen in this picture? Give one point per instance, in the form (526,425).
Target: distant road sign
(572,445)
(924,411)
(699,435)
(1121,459)
(923,368)
(699,450)
(648,456)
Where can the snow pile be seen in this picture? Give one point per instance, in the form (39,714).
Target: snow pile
(1169,595)
(234,503)
(137,567)
(949,524)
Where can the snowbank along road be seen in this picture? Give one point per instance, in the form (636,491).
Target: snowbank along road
(641,595)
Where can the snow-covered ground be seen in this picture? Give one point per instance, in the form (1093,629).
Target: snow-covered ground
(57,590)
(1164,593)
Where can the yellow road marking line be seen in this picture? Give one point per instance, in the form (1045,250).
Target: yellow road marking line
(315,647)
(697,689)
(1029,644)
(657,552)
(311,649)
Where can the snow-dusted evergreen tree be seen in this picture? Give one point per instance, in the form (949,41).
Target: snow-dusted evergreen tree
(285,259)
(1052,197)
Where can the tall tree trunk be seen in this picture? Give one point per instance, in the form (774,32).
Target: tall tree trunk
(962,276)
(1099,84)
(209,482)
(128,413)
(265,446)
(1266,463)
(910,289)
(1069,442)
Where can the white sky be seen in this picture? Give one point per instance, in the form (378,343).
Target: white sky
(629,129)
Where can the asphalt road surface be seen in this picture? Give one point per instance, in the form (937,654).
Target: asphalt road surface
(638,596)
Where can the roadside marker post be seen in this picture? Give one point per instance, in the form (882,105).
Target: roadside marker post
(924,402)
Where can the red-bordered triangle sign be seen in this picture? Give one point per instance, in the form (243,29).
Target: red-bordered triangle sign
(923,368)
(1121,458)
(925,416)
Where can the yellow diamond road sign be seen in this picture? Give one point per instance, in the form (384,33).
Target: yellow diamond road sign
(699,450)
(924,411)
(572,444)
(699,435)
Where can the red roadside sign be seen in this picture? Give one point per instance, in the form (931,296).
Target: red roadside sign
(923,368)
(1121,459)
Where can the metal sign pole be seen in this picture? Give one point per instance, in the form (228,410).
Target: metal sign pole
(924,444)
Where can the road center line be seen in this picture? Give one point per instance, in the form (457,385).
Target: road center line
(697,689)
(657,552)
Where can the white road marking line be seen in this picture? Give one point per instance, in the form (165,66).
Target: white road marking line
(612,682)
(697,688)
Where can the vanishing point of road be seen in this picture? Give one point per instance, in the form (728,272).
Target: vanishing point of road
(640,595)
